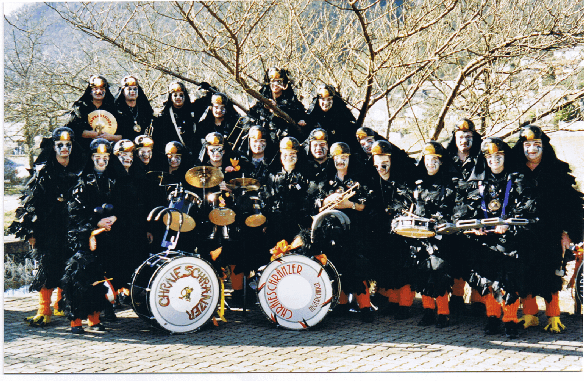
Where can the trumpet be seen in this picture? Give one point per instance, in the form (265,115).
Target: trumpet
(343,196)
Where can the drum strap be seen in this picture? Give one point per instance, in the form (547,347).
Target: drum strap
(505,201)
(221,311)
(175,126)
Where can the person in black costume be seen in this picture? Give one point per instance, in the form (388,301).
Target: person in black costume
(560,222)
(43,218)
(176,121)
(463,154)
(220,116)
(134,113)
(354,267)
(259,152)
(319,163)
(498,269)
(390,197)
(278,89)
(96,230)
(435,197)
(329,111)
(97,96)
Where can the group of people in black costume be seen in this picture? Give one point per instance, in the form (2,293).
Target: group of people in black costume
(85,212)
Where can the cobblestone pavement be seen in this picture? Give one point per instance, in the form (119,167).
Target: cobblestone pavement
(253,344)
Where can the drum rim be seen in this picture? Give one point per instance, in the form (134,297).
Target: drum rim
(317,318)
(214,300)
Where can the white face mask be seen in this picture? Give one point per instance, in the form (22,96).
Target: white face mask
(288,159)
(319,149)
(382,164)
(63,148)
(464,140)
(131,93)
(126,158)
(145,154)
(341,162)
(533,150)
(178,99)
(496,162)
(325,103)
(432,164)
(100,161)
(98,93)
(366,144)
(277,86)
(257,146)
(174,160)
(215,152)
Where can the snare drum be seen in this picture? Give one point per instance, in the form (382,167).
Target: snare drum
(297,292)
(183,202)
(413,226)
(175,291)
(221,215)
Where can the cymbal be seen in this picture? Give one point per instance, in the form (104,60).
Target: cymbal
(248,183)
(102,121)
(204,176)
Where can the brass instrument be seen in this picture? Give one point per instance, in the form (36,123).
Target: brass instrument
(343,196)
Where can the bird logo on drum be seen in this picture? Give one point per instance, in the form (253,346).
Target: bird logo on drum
(186,294)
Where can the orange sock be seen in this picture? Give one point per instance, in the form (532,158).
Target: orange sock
(59,297)
(529,305)
(428,302)
(406,296)
(475,297)
(458,287)
(45,301)
(236,279)
(343,298)
(510,312)
(442,305)
(93,319)
(76,323)
(393,295)
(552,309)
(493,308)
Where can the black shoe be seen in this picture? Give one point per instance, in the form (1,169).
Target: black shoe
(493,325)
(98,327)
(391,309)
(236,299)
(428,319)
(478,309)
(367,314)
(108,313)
(77,330)
(456,304)
(511,330)
(381,302)
(341,310)
(442,321)
(402,313)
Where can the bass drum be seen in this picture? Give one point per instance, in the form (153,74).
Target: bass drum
(296,292)
(175,291)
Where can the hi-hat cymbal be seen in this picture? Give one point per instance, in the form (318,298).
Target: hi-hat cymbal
(247,183)
(204,176)
(102,121)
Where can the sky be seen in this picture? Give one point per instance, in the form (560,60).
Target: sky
(10,7)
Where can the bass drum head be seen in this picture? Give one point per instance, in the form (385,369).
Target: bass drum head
(295,292)
(184,294)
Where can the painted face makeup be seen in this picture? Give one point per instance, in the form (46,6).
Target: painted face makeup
(98,93)
(218,111)
(325,103)
(145,154)
(100,161)
(131,93)
(319,149)
(288,159)
(178,99)
(432,164)
(126,158)
(382,164)
(496,162)
(341,162)
(215,152)
(63,148)
(367,143)
(257,146)
(533,150)
(174,160)
(464,140)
